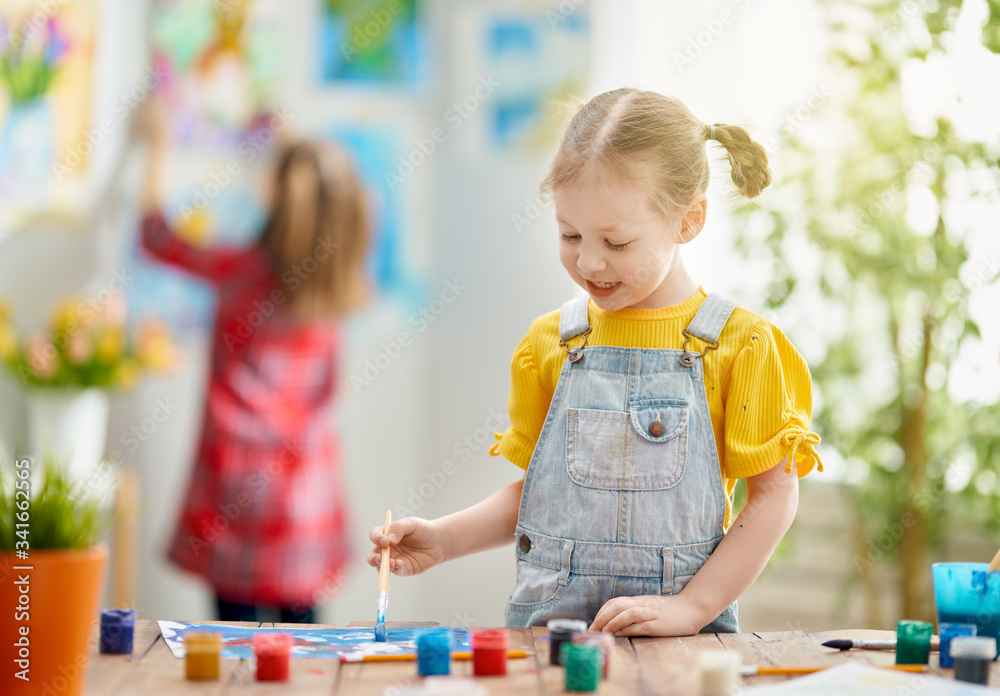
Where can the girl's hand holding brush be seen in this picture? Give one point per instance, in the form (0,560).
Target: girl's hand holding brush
(416,544)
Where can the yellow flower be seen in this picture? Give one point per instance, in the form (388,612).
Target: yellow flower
(5,312)
(153,346)
(110,344)
(67,317)
(8,342)
(127,374)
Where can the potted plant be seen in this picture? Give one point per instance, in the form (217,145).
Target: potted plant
(69,368)
(51,574)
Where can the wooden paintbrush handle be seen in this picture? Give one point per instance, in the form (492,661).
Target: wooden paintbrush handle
(995,564)
(383,570)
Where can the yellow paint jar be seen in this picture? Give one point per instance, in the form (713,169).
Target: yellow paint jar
(204,651)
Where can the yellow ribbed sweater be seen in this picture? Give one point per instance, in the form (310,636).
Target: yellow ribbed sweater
(758,386)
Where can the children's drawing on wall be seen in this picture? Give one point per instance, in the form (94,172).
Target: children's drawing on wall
(46,80)
(222,59)
(375,150)
(535,58)
(371,41)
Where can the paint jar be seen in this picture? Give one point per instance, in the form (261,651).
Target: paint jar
(117,631)
(913,642)
(720,672)
(204,651)
(489,652)
(972,656)
(434,652)
(583,664)
(274,656)
(562,631)
(605,641)
(968,593)
(947,632)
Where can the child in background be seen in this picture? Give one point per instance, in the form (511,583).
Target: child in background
(264,520)
(635,410)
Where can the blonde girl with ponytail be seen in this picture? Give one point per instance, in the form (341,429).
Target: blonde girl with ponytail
(636,407)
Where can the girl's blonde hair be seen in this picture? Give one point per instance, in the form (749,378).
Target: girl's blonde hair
(318,231)
(638,136)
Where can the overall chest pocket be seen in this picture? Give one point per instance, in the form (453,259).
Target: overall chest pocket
(643,449)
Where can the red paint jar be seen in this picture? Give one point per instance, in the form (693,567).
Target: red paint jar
(274,656)
(489,652)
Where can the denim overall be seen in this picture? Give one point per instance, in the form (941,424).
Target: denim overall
(623,495)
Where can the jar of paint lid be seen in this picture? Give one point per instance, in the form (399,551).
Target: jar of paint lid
(913,642)
(583,664)
(489,652)
(434,652)
(720,672)
(973,656)
(562,631)
(117,631)
(605,641)
(203,650)
(274,656)
(947,631)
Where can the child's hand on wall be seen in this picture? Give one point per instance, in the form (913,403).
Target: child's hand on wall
(416,546)
(649,615)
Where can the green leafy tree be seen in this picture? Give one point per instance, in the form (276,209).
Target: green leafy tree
(879,202)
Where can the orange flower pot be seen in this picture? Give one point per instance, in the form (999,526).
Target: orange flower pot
(57,612)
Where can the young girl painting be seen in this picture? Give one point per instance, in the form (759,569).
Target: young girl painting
(264,519)
(635,409)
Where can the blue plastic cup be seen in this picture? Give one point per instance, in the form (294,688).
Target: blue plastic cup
(965,593)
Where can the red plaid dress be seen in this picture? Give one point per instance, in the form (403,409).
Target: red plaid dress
(264,519)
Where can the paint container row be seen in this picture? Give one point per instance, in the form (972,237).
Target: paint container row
(959,647)
(489,652)
(584,655)
(204,652)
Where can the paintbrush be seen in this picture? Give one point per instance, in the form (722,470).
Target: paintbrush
(890,644)
(383,585)
(410,657)
(994,564)
(752,671)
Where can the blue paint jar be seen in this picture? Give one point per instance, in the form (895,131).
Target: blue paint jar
(947,632)
(434,652)
(117,631)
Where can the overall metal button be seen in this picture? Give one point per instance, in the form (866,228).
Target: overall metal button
(656,428)
(525,543)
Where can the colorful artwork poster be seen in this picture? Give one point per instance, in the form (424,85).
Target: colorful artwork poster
(350,643)
(375,151)
(379,42)
(46,83)
(538,60)
(235,217)
(219,62)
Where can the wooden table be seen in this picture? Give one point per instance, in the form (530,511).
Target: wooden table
(653,666)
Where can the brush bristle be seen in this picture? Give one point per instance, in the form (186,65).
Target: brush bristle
(839,644)
(380,628)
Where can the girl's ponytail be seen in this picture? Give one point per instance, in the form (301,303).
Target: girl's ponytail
(747,158)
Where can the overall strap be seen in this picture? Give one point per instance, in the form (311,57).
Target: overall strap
(573,319)
(711,318)
(573,322)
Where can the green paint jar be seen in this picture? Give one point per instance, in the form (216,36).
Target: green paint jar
(913,642)
(583,663)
